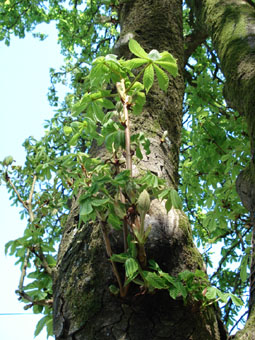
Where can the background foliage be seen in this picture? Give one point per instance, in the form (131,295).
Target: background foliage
(215,149)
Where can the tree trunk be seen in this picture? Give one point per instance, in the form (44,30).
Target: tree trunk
(83,305)
(231,24)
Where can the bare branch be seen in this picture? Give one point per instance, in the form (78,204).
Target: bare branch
(44,302)
(29,202)
(17,193)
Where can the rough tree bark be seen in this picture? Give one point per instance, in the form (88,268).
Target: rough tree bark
(83,305)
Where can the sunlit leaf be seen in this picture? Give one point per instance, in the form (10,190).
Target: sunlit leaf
(148,78)
(137,49)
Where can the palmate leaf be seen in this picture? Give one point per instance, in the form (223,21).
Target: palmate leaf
(137,49)
(168,62)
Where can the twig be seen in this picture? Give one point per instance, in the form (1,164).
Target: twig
(24,269)
(41,256)
(29,201)
(109,253)
(44,302)
(241,317)
(17,193)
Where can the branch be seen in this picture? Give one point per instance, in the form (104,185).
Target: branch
(16,192)
(237,322)
(107,243)
(24,269)
(44,302)
(29,201)
(192,41)
(41,256)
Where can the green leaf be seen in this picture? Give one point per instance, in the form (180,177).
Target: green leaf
(137,49)
(67,130)
(122,258)
(7,246)
(131,267)
(223,296)
(163,194)
(154,280)
(166,56)
(74,139)
(85,208)
(134,63)
(119,209)
(8,160)
(115,222)
(131,247)
(148,77)
(37,309)
(99,202)
(162,77)
(211,293)
(153,265)
(108,104)
(139,101)
(49,326)
(170,67)
(168,204)
(173,292)
(175,199)
(40,324)
(238,302)
(138,153)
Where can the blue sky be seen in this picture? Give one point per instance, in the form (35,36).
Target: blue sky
(24,82)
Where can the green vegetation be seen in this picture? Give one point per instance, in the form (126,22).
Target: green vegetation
(105,91)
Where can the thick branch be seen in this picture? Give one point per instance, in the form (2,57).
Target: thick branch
(192,41)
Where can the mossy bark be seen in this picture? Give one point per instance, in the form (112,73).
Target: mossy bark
(248,333)
(231,24)
(83,306)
